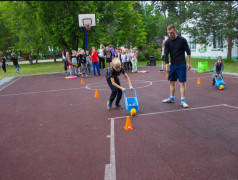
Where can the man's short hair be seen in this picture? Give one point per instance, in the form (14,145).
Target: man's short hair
(171,26)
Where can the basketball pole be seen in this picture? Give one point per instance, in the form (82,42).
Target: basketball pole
(86,40)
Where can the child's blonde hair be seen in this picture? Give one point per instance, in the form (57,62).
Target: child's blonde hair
(116,62)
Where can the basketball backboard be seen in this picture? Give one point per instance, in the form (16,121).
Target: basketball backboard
(86,19)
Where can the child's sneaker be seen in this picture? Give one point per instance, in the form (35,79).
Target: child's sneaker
(184,104)
(119,106)
(168,100)
(109,105)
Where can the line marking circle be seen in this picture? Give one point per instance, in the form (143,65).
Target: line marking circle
(97,85)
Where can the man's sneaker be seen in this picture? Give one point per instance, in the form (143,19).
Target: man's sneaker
(109,106)
(184,104)
(168,101)
(119,106)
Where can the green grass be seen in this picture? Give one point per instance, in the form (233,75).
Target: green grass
(229,66)
(50,67)
(27,69)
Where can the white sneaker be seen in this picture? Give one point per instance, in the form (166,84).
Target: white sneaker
(168,101)
(184,104)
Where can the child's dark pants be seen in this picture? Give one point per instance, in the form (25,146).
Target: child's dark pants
(4,67)
(115,91)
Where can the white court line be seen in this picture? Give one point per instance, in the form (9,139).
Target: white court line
(179,110)
(37,92)
(110,169)
(122,83)
(97,86)
(231,106)
(10,83)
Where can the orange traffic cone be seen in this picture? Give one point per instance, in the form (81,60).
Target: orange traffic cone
(96,94)
(82,81)
(166,75)
(198,81)
(128,124)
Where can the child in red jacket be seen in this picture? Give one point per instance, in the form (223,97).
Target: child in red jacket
(94,58)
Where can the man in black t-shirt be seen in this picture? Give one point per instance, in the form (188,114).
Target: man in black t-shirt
(114,83)
(176,47)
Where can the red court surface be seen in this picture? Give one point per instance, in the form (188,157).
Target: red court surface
(53,128)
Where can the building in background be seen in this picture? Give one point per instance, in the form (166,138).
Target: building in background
(217,48)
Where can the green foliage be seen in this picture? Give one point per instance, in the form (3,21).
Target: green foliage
(150,50)
(211,18)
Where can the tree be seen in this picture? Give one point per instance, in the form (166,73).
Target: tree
(118,24)
(7,39)
(214,19)
(154,23)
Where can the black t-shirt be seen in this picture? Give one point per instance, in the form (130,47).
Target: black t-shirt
(176,48)
(14,60)
(82,58)
(108,54)
(111,73)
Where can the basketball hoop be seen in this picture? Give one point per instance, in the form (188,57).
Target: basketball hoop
(88,27)
(87,22)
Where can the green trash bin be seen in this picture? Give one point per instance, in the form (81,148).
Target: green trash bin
(202,67)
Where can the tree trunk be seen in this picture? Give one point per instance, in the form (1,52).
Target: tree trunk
(65,45)
(128,44)
(229,39)
(77,43)
(37,56)
(30,58)
(54,54)
(229,43)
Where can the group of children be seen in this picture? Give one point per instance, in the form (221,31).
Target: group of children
(79,63)
(76,63)
(128,59)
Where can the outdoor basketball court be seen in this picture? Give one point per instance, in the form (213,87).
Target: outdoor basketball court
(54,128)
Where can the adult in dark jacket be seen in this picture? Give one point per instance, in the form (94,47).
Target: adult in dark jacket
(176,47)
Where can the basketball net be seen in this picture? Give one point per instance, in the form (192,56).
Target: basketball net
(88,27)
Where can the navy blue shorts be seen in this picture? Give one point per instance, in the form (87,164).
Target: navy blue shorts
(178,72)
